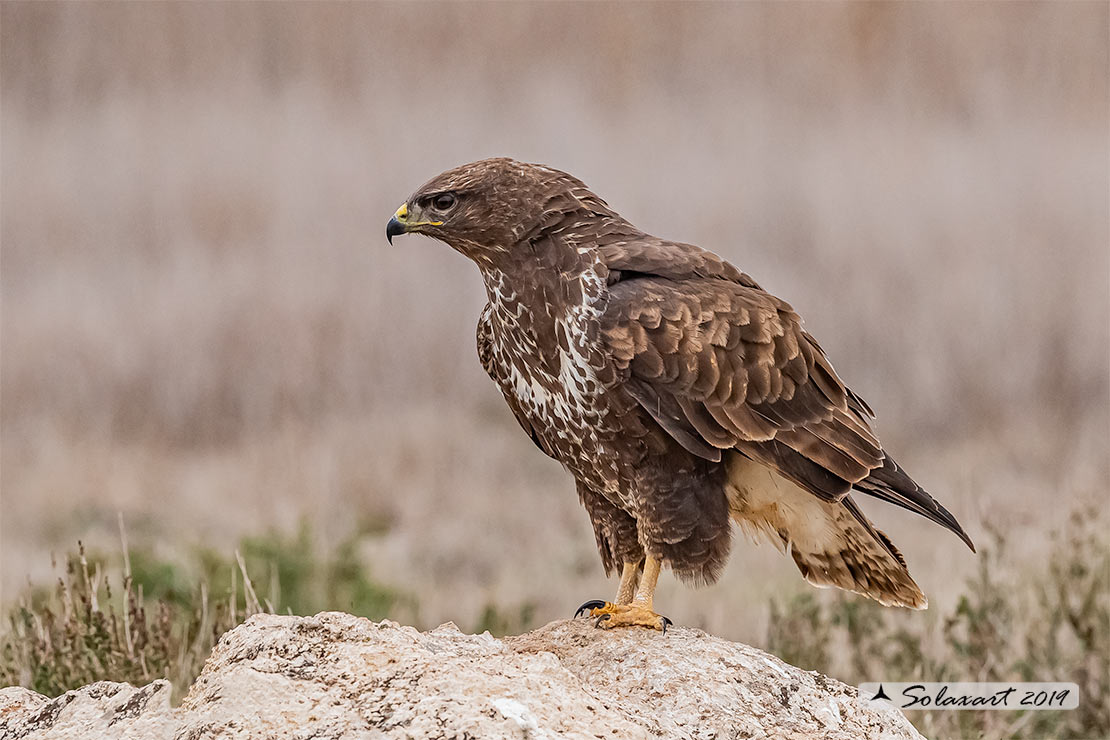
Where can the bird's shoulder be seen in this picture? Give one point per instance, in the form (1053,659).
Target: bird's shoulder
(639,254)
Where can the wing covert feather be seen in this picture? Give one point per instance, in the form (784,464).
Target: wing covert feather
(736,370)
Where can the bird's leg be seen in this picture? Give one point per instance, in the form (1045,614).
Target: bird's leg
(645,593)
(630,577)
(631,609)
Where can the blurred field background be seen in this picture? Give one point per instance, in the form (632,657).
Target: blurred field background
(203,328)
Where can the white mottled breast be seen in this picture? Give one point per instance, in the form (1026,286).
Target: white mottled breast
(544,357)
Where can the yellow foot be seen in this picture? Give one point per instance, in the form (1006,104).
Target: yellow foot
(610,615)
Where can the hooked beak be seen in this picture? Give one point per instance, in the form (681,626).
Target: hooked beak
(393,228)
(403,222)
(396,225)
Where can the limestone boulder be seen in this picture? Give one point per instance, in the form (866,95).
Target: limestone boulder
(338,676)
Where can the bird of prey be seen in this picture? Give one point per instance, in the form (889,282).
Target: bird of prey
(681,395)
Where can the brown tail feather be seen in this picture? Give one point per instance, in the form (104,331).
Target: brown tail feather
(890,483)
(832,543)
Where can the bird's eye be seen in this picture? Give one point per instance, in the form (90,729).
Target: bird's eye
(443,202)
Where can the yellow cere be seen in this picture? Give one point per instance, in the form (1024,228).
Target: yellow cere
(403,213)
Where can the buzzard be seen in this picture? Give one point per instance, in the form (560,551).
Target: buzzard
(680,395)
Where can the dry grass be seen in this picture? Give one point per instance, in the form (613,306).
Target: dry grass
(131,617)
(202,327)
(83,632)
(1014,621)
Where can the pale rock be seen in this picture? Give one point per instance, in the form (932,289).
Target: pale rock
(338,676)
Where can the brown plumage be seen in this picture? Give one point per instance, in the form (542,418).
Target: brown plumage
(681,395)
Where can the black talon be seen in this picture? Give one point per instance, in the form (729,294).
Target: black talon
(592,604)
(666,623)
(602,618)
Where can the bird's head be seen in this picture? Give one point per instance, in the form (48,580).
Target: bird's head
(485,208)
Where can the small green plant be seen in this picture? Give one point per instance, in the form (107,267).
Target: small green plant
(1012,623)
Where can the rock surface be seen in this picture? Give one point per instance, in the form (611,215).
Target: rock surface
(339,676)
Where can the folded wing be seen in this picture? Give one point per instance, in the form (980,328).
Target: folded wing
(721,364)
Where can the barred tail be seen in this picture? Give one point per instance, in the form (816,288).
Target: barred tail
(832,543)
